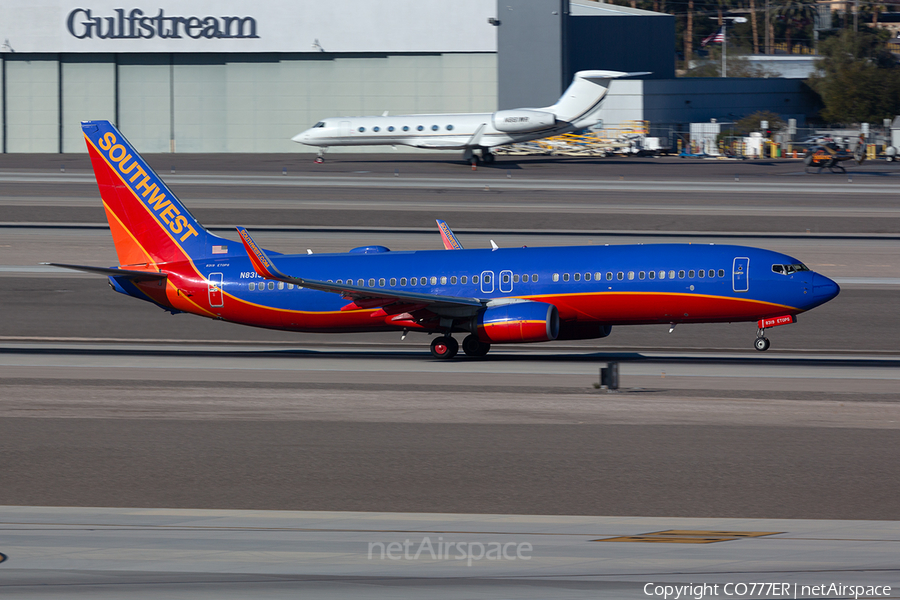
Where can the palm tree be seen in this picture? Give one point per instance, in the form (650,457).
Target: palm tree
(754,27)
(796,14)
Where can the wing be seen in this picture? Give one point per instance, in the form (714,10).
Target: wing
(449,239)
(362,297)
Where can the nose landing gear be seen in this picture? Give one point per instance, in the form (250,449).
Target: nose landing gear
(761,343)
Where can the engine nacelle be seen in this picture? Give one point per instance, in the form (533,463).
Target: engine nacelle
(514,121)
(519,322)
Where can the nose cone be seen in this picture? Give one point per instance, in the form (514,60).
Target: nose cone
(823,289)
(303,137)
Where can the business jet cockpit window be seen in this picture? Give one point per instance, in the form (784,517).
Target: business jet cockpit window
(789,269)
(319,124)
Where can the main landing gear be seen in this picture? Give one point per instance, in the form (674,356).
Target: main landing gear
(445,347)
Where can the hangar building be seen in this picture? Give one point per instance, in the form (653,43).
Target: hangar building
(229,76)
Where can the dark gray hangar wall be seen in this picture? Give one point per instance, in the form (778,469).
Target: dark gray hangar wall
(541,45)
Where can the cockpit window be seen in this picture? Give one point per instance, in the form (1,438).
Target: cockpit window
(319,124)
(788,269)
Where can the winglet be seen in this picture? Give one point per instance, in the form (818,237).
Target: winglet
(450,241)
(261,262)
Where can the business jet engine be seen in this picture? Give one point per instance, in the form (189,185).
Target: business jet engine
(518,322)
(517,121)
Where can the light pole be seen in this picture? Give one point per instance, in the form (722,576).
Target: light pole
(725,39)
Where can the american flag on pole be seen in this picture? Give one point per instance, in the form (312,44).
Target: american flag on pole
(717,37)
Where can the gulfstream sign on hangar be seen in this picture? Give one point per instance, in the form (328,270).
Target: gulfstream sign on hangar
(295,26)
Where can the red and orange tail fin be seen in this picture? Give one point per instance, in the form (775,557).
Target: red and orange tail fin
(149,224)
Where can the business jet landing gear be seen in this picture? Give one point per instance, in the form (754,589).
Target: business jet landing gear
(487,156)
(472,346)
(444,347)
(321,156)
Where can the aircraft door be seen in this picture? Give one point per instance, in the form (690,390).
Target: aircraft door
(741,274)
(344,129)
(506,281)
(215,282)
(487,282)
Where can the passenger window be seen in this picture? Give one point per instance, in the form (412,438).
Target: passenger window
(565,276)
(701,273)
(662,274)
(360,283)
(434,127)
(609,275)
(598,276)
(453,280)
(290,286)
(271,285)
(403,281)
(420,128)
(376,129)
(620,275)
(372,283)
(652,274)
(433,280)
(463,279)
(721,272)
(406,128)
(449,127)
(391,128)
(630,275)
(712,273)
(444,280)
(474,279)
(252,286)
(555,277)
(487,278)
(362,129)
(381,282)
(423,281)
(515,279)
(577,276)
(505,278)
(393,281)
(641,275)
(680,274)
(534,278)
(672,275)
(691,273)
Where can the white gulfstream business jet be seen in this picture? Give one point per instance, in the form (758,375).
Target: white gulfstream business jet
(577,109)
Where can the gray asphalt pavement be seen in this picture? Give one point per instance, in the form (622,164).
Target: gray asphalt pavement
(369,424)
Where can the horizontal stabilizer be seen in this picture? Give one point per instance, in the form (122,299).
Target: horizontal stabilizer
(112,271)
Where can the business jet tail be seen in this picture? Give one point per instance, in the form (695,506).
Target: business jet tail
(583,96)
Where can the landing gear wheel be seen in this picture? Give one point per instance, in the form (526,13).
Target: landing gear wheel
(761,344)
(319,160)
(444,347)
(472,346)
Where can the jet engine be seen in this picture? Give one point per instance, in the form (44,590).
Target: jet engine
(516,121)
(518,322)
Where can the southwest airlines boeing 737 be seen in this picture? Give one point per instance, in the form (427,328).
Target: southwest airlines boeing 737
(577,109)
(493,296)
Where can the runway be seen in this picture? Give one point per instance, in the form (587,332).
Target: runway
(106,401)
(141,553)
